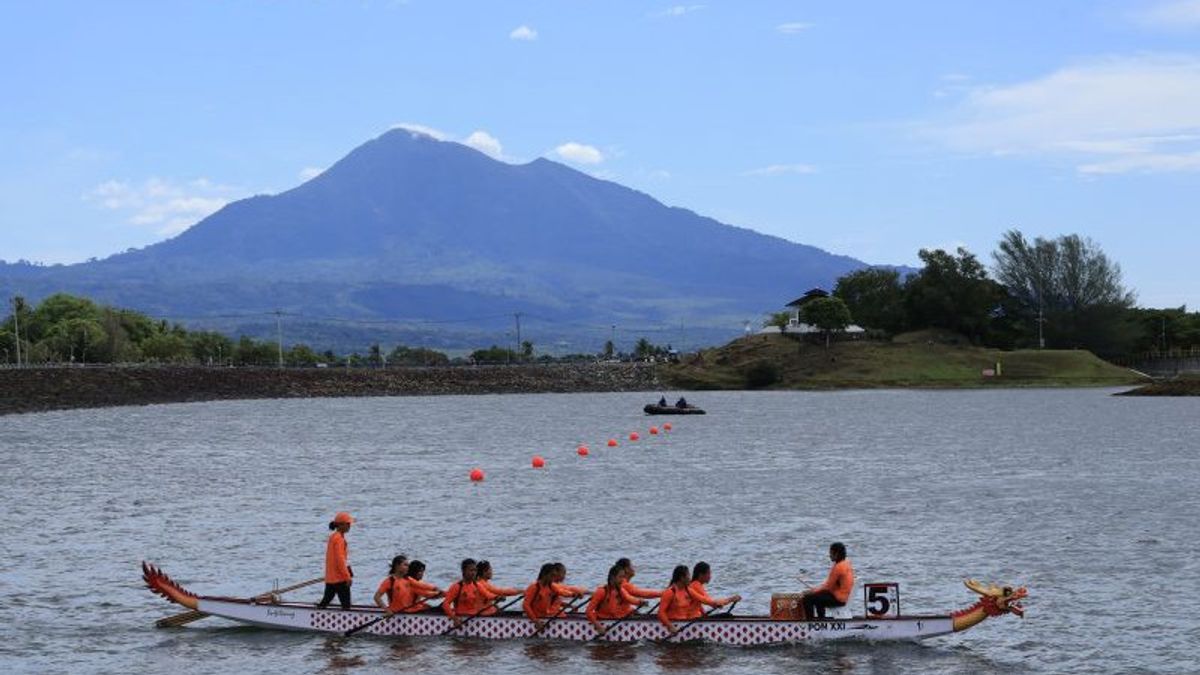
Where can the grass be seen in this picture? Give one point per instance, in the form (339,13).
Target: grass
(922,359)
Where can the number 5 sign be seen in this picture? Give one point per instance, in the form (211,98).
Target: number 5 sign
(882,600)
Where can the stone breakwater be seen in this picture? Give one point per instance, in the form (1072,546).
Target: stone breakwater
(39,389)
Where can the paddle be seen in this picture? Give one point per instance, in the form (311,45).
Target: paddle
(195,615)
(622,619)
(372,622)
(565,610)
(703,616)
(480,613)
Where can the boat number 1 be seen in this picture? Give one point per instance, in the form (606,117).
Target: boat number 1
(882,600)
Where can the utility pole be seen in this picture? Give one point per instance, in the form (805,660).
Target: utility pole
(279,335)
(613,339)
(517,316)
(1040,322)
(16,303)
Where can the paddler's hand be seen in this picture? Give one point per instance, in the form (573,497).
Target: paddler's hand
(457,621)
(538,623)
(733,598)
(601,629)
(388,613)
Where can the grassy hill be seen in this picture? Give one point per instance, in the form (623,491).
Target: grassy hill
(920,359)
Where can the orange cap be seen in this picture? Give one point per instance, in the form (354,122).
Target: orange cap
(343,517)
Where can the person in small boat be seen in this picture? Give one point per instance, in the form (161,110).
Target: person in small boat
(410,593)
(611,601)
(543,598)
(484,574)
(627,581)
(383,596)
(701,575)
(662,401)
(681,403)
(835,591)
(338,575)
(677,603)
(466,597)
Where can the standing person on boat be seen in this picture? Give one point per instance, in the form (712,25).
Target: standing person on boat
(410,593)
(466,597)
(662,401)
(836,589)
(483,572)
(611,601)
(677,603)
(702,574)
(627,582)
(543,598)
(385,593)
(338,575)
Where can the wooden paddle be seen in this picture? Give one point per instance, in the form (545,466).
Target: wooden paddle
(622,619)
(189,616)
(372,622)
(480,613)
(703,616)
(565,610)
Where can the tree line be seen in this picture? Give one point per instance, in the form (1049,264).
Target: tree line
(1061,293)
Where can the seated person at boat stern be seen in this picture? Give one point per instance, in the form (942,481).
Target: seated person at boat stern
(338,575)
(836,589)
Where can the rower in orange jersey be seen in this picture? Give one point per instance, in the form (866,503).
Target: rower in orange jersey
(338,575)
(611,601)
(466,597)
(627,583)
(543,598)
(483,572)
(383,596)
(702,574)
(676,604)
(409,594)
(837,587)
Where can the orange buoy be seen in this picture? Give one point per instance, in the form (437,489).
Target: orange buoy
(653,431)
(633,436)
(612,442)
(476,475)
(538,462)
(666,426)
(582,451)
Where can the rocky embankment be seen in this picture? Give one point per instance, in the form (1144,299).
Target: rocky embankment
(38,389)
(1184,386)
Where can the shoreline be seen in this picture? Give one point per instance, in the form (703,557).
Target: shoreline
(30,390)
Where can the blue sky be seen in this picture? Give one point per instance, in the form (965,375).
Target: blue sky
(867,128)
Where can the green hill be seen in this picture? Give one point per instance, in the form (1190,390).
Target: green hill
(921,359)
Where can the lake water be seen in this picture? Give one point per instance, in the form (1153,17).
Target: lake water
(1089,500)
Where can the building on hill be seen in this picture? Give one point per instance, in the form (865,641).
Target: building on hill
(795,325)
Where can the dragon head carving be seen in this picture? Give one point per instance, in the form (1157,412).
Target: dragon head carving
(997,600)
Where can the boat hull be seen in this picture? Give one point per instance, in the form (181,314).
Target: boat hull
(651,409)
(740,631)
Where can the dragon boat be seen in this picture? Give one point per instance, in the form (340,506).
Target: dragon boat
(882,620)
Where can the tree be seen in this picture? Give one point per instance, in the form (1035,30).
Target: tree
(829,314)
(208,347)
(526,350)
(952,292)
(780,320)
(875,297)
(1070,287)
(608,349)
(166,347)
(301,355)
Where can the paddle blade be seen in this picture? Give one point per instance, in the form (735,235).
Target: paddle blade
(176,620)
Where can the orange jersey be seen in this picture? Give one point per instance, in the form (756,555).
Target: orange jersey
(839,582)
(337,563)
(546,601)
(700,598)
(466,599)
(406,595)
(388,587)
(607,605)
(676,605)
(639,592)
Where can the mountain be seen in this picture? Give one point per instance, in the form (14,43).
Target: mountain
(412,236)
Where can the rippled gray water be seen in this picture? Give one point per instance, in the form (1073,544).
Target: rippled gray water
(1088,499)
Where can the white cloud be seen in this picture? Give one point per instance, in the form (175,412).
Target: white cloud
(310,172)
(780,169)
(678,10)
(1175,14)
(523,33)
(579,153)
(793,27)
(166,206)
(485,143)
(1129,114)
(421,129)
